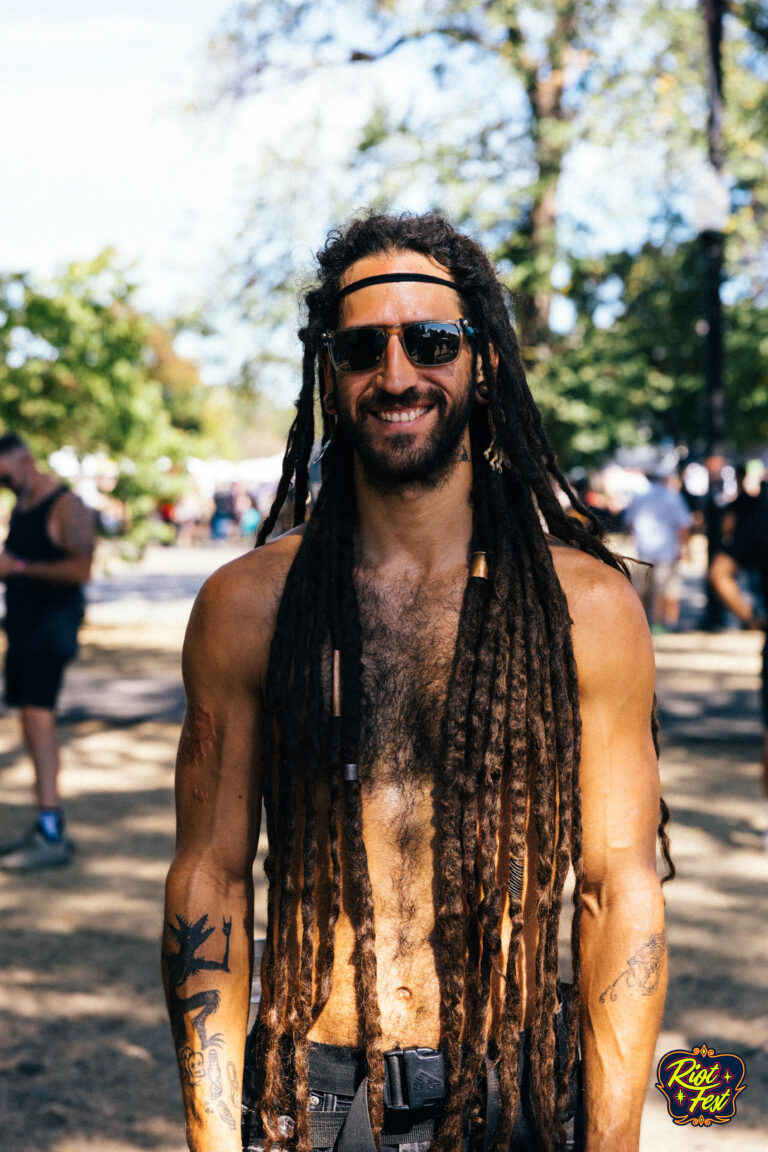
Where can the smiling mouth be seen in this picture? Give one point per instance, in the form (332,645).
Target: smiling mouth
(402,415)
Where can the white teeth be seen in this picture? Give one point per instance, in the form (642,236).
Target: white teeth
(402,417)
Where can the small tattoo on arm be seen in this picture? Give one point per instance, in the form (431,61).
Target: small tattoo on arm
(214,1074)
(225,1114)
(234,1084)
(643,969)
(191,1064)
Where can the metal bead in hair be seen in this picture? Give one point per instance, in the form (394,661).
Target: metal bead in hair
(515,883)
(478,566)
(336,684)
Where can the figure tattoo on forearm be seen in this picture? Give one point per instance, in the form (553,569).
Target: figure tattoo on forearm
(643,969)
(180,965)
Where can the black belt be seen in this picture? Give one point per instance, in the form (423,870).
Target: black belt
(414,1085)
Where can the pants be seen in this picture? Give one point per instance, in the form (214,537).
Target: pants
(337,1100)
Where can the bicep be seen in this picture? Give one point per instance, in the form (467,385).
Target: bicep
(218,764)
(619,775)
(77,527)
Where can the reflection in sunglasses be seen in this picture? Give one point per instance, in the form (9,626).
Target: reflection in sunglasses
(427,343)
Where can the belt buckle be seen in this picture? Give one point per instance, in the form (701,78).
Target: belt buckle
(424,1075)
(415,1077)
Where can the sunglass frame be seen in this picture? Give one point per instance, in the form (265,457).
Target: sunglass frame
(460,327)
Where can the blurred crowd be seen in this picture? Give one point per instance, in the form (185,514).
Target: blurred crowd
(656,506)
(657,512)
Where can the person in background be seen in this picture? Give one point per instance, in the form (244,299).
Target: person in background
(250,517)
(750,498)
(660,522)
(748,551)
(45,563)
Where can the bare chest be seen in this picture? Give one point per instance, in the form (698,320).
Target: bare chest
(408,642)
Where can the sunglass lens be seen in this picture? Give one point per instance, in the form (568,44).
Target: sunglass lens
(431,343)
(358,349)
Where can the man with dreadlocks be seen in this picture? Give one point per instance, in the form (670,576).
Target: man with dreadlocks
(441,685)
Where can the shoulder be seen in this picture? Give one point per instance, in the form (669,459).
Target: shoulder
(72,522)
(233,619)
(67,505)
(611,639)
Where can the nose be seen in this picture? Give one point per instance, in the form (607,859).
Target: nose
(396,373)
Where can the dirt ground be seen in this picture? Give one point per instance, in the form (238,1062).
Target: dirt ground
(86,1062)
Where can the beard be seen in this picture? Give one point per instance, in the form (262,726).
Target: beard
(408,460)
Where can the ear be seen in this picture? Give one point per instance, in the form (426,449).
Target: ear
(481,388)
(329,384)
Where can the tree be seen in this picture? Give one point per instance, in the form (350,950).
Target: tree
(509,96)
(80,366)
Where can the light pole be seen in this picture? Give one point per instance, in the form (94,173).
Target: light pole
(710,209)
(709,212)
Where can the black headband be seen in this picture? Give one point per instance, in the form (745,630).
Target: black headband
(389,277)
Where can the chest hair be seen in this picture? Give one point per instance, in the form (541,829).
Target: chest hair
(408,641)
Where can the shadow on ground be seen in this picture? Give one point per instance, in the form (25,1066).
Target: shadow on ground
(86,1052)
(86,1062)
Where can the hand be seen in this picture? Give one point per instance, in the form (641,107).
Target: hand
(7,561)
(757,624)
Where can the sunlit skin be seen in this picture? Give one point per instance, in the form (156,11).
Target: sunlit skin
(420,399)
(416,538)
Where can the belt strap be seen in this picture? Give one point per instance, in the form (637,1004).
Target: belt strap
(356,1134)
(492,1102)
(351,1131)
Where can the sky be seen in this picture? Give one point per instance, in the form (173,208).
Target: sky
(99,149)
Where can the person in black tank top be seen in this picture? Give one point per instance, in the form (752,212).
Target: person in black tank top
(45,563)
(748,551)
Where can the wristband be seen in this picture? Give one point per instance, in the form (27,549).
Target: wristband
(19,567)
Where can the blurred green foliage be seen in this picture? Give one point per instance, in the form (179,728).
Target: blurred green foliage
(80,366)
(511,95)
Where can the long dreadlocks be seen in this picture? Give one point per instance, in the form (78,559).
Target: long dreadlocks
(511,729)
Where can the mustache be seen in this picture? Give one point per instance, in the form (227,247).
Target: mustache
(411,398)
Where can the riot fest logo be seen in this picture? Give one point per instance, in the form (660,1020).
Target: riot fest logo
(701,1086)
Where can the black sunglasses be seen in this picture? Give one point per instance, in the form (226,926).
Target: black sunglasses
(427,343)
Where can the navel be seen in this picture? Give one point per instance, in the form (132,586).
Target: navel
(404,994)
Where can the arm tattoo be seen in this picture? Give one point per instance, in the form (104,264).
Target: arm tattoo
(234,1084)
(643,969)
(180,966)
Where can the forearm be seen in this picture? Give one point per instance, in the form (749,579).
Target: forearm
(207,954)
(624,976)
(69,570)
(722,576)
